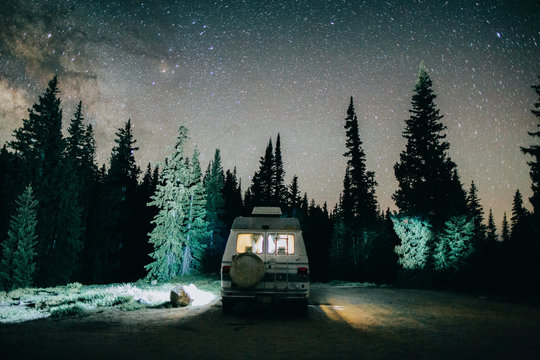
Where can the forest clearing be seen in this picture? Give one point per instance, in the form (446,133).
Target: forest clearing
(343,321)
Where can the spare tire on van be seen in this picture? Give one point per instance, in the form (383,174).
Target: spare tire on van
(247,270)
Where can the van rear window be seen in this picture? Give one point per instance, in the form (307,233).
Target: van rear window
(249,243)
(281,244)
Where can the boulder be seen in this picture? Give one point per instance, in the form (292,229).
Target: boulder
(179,297)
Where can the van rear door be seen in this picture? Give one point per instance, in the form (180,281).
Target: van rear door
(279,259)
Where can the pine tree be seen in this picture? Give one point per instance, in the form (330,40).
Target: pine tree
(214,182)
(454,244)
(518,211)
(75,144)
(262,184)
(168,236)
(362,183)
(491,234)
(232,196)
(120,206)
(534,164)
(279,188)
(294,196)
(10,187)
(195,224)
(425,172)
(123,172)
(18,251)
(505,232)
(476,212)
(40,145)
(416,237)
(39,141)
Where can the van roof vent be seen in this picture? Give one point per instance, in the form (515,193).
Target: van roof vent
(266,211)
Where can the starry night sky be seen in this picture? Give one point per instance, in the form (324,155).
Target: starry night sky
(238,72)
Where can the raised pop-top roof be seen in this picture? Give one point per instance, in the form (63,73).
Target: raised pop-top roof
(266,210)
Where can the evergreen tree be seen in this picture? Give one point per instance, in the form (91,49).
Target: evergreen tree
(10,186)
(195,224)
(168,236)
(416,239)
(317,232)
(425,173)
(75,142)
(40,146)
(262,188)
(214,182)
(123,171)
(39,141)
(122,205)
(476,212)
(279,188)
(518,211)
(294,196)
(534,164)
(362,183)
(491,234)
(505,232)
(79,162)
(454,244)
(232,197)
(18,251)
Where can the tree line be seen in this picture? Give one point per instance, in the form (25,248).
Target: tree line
(63,218)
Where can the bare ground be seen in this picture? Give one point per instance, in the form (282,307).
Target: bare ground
(352,322)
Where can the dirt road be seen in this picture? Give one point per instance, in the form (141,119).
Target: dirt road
(357,323)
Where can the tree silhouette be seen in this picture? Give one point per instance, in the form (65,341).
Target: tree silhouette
(425,173)
(534,164)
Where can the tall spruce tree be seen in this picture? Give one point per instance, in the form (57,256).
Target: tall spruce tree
(40,146)
(294,196)
(120,204)
(195,224)
(476,213)
(168,236)
(425,172)
(491,231)
(279,188)
(518,211)
(18,251)
(214,182)
(262,187)
(534,164)
(232,196)
(505,230)
(362,183)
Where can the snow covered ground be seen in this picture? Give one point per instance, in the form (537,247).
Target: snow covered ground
(76,299)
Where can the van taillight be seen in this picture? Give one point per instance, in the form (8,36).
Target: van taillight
(302,271)
(226,270)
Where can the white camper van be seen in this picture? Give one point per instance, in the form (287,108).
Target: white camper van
(265,260)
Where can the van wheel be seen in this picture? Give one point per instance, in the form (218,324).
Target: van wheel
(227,306)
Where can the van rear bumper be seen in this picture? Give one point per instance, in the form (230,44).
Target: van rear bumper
(264,295)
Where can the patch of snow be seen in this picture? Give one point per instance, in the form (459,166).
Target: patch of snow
(198,297)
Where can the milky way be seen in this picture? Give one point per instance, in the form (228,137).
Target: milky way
(238,72)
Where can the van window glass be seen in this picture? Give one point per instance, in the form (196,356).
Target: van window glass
(281,244)
(249,243)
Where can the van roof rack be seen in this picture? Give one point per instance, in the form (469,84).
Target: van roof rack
(266,211)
